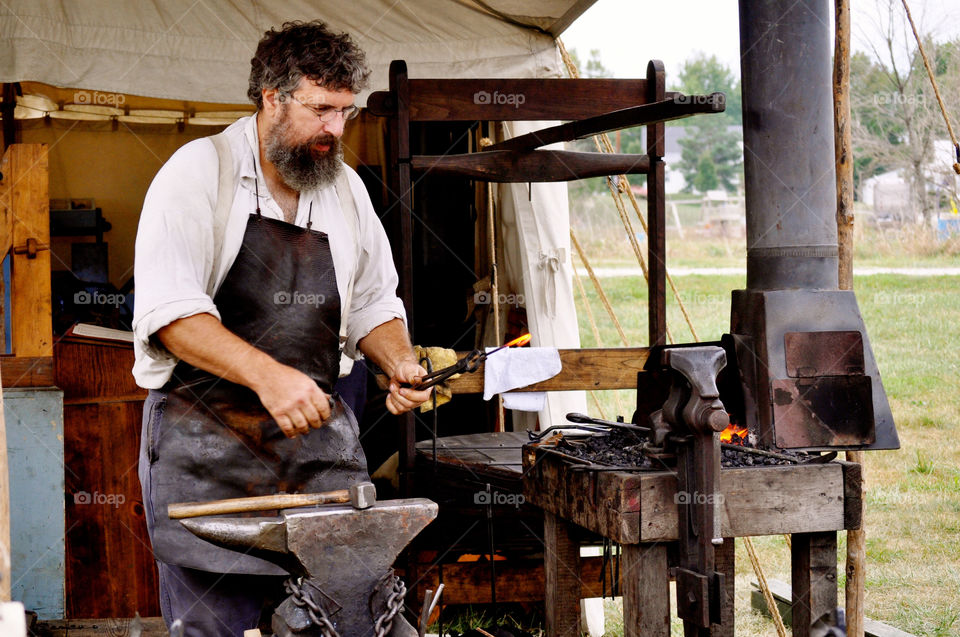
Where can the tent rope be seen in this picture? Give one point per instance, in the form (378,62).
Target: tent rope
(936,89)
(602,142)
(595,329)
(624,183)
(599,288)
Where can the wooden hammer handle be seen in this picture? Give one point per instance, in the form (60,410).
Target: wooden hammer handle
(181,510)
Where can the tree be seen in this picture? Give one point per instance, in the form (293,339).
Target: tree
(711,153)
(896,119)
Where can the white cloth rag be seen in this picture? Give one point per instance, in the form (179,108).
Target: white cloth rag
(514,368)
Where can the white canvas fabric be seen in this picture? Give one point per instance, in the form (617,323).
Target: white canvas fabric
(536,236)
(200,51)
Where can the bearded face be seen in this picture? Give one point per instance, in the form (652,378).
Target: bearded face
(303,164)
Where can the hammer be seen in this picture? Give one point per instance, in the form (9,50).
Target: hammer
(360,496)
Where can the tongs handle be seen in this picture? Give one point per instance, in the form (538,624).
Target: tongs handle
(467,364)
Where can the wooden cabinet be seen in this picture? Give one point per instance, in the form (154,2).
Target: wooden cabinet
(110,570)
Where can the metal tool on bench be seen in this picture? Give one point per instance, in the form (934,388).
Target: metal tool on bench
(695,415)
(340,559)
(360,496)
(586,423)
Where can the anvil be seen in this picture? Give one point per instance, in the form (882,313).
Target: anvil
(344,552)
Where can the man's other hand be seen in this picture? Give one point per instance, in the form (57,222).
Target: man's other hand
(403,399)
(294,400)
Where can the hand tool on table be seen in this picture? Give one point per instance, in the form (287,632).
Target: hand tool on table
(466,365)
(360,496)
(340,559)
(586,423)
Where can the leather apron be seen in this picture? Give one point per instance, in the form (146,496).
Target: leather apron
(214,439)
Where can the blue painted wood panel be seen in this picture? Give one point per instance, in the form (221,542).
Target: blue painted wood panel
(34,420)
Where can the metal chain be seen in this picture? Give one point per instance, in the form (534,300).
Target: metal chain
(384,623)
(318,616)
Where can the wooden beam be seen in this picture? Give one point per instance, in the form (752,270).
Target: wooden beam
(4,508)
(29,371)
(503,166)
(814,574)
(517,581)
(25,165)
(654,112)
(640,507)
(646,590)
(561,559)
(599,368)
(499,99)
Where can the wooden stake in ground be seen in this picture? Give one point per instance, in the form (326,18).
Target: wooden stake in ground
(856,539)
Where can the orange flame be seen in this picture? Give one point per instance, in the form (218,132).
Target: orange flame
(520,341)
(734,430)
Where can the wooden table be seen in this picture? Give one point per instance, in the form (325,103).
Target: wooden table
(639,511)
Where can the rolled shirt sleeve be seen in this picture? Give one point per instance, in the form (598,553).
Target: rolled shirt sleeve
(374,300)
(174,255)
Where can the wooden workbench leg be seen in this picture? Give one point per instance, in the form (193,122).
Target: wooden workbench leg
(645,582)
(814,566)
(561,565)
(724,562)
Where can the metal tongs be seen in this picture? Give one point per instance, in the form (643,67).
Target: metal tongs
(586,423)
(466,365)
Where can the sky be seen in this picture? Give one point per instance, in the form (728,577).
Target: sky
(628,33)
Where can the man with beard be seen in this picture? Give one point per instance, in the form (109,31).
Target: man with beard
(259,259)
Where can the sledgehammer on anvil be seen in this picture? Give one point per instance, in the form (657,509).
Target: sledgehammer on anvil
(340,557)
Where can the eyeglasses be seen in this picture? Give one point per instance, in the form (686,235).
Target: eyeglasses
(327,113)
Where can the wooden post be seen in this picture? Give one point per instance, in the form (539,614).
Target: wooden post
(4,506)
(25,166)
(561,568)
(645,580)
(656,213)
(814,574)
(725,562)
(856,539)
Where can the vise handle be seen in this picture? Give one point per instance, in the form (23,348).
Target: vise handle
(359,496)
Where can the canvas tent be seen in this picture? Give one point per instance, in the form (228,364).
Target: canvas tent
(187,62)
(114,88)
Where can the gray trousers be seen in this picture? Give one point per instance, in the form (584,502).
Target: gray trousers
(209,604)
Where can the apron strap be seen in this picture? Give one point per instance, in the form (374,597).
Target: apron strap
(225,193)
(348,206)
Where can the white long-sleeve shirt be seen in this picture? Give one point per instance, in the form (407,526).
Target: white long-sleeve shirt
(174,248)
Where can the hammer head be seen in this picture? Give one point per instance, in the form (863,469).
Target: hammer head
(363,495)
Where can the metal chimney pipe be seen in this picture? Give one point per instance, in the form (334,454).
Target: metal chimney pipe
(809,376)
(788,152)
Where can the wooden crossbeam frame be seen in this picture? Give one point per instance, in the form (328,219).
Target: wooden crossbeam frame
(25,228)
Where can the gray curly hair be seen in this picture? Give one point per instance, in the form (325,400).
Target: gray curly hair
(306,49)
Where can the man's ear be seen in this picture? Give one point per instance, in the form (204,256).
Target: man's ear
(272,98)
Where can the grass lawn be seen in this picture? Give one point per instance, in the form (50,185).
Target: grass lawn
(913,494)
